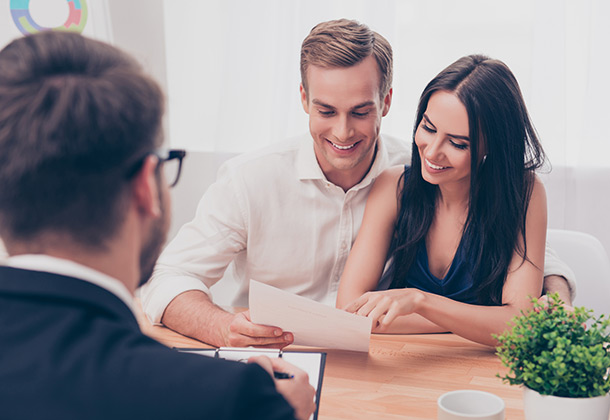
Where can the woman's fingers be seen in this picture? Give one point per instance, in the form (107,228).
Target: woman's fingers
(384,306)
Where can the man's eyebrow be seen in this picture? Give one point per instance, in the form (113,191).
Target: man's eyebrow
(364,104)
(320,103)
(325,105)
(455,136)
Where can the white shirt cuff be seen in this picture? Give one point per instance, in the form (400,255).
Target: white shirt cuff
(553,266)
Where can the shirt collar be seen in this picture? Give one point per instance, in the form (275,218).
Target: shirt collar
(308,167)
(48,264)
(307,163)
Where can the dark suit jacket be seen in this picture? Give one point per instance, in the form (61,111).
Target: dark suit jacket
(72,350)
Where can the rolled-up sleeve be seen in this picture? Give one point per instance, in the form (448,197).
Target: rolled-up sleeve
(554,266)
(203,248)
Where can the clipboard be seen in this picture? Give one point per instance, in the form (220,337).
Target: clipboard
(311,362)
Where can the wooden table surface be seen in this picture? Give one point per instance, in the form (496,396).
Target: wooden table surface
(401,376)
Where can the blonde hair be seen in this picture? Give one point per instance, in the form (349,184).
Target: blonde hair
(344,43)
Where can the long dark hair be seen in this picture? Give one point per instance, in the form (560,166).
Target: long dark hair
(500,184)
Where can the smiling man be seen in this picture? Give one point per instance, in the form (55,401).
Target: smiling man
(287,215)
(345,107)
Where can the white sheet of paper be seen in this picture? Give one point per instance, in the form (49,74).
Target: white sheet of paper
(312,323)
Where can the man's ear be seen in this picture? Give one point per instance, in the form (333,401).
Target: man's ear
(146,188)
(304,98)
(387,101)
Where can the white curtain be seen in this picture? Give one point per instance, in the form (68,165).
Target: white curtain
(233,76)
(233,70)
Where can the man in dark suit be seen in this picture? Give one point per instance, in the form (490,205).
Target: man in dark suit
(84,210)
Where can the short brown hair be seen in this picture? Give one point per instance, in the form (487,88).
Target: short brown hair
(75,115)
(344,43)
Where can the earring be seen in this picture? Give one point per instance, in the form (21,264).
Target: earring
(484,159)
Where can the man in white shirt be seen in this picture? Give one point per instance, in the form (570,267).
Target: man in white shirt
(288,215)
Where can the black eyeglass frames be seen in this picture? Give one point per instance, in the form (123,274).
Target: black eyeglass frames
(170,162)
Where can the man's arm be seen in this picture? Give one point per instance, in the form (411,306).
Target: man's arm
(558,277)
(193,314)
(177,293)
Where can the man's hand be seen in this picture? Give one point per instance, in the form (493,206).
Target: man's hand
(544,300)
(193,314)
(242,332)
(557,284)
(296,390)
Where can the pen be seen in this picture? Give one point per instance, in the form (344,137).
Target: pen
(282,375)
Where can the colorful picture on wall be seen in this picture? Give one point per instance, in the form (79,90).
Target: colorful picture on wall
(77,17)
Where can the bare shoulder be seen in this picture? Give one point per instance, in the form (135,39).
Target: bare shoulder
(537,206)
(391,175)
(538,193)
(387,183)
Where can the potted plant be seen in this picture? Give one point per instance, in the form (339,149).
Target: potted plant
(561,357)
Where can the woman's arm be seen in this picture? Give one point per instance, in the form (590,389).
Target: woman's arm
(474,322)
(411,324)
(368,255)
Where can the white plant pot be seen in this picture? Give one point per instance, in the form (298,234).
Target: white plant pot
(545,407)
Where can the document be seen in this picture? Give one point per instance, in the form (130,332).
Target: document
(312,323)
(311,362)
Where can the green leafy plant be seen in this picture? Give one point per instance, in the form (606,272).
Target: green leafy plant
(555,351)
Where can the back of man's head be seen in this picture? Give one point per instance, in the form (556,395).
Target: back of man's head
(76,118)
(344,43)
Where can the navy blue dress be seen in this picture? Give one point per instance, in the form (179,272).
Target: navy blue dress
(458,283)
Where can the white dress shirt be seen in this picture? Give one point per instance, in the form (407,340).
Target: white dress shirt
(279,220)
(48,264)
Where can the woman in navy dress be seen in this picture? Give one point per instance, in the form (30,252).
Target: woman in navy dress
(464,226)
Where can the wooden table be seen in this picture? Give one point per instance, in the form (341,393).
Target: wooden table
(401,377)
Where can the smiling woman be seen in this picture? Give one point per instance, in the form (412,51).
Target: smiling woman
(465,234)
(443,142)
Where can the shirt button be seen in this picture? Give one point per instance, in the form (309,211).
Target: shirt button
(343,246)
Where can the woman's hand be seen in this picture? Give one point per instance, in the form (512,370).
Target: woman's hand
(384,306)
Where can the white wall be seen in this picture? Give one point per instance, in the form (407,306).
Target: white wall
(578,188)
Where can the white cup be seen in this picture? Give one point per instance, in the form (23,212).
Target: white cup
(470,404)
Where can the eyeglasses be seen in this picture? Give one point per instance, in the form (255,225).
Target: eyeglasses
(170,161)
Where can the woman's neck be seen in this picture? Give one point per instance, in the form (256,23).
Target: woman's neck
(453,197)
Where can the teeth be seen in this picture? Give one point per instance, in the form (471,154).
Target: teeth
(343,147)
(434,166)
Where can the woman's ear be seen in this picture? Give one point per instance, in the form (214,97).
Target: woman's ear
(146,187)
